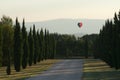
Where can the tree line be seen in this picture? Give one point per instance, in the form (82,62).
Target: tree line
(107,45)
(21,47)
(69,46)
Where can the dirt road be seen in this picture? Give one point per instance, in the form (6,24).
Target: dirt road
(65,70)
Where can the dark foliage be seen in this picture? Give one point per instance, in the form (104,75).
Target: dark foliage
(107,44)
(17,46)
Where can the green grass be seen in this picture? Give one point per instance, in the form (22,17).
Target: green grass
(30,71)
(95,69)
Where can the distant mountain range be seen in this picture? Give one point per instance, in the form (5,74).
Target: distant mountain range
(69,26)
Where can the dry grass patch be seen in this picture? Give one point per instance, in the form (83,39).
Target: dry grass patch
(95,69)
(28,72)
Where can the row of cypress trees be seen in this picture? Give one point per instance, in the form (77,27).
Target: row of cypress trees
(27,47)
(107,46)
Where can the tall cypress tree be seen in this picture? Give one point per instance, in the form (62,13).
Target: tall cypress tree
(45,39)
(42,49)
(25,46)
(17,46)
(48,45)
(35,45)
(54,47)
(31,47)
(116,40)
(39,46)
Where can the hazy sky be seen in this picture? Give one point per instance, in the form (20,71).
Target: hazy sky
(40,10)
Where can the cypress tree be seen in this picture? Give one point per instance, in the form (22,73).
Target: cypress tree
(25,46)
(42,49)
(48,45)
(45,38)
(51,46)
(31,47)
(17,46)
(107,42)
(110,47)
(116,41)
(54,47)
(39,46)
(35,45)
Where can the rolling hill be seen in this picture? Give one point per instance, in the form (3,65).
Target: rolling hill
(69,26)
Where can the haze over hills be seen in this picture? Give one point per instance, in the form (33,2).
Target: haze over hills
(69,26)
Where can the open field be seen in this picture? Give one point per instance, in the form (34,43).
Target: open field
(28,72)
(99,70)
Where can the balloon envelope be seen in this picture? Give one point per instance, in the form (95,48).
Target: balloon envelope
(80,24)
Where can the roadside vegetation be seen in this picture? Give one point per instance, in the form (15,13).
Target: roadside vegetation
(21,48)
(107,45)
(30,71)
(96,69)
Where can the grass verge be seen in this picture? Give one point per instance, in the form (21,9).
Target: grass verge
(30,71)
(95,69)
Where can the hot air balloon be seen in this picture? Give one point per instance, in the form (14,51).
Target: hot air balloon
(80,24)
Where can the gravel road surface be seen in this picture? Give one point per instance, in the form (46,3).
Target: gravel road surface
(69,69)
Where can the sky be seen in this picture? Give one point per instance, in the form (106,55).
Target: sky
(41,10)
